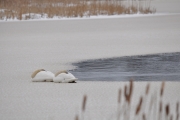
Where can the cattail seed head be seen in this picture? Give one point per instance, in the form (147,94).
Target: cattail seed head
(177,111)
(125,92)
(84,103)
(171,117)
(130,90)
(162,88)
(160,107)
(177,116)
(177,107)
(139,106)
(76,117)
(144,116)
(167,109)
(147,88)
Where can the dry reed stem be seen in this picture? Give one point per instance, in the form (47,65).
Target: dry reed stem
(125,92)
(138,109)
(160,110)
(119,101)
(76,117)
(171,117)
(144,116)
(119,96)
(155,105)
(84,103)
(177,116)
(130,90)
(177,111)
(177,107)
(147,88)
(128,93)
(162,88)
(160,107)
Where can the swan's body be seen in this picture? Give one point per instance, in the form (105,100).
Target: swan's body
(42,75)
(64,77)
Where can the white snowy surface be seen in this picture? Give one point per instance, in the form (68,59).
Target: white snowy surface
(54,45)
(89,18)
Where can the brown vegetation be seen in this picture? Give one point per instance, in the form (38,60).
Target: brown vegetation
(84,103)
(138,109)
(124,110)
(34,9)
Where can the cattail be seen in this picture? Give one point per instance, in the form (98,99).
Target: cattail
(171,118)
(84,103)
(139,106)
(160,110)
(144,116)
(177,107)
(119,101)
(147,88)
(119,96)
(76,117)
(177,116)
(125,92)
(160,107)
(167,109)
(130,90)
(177,111)
(128,93)
(162,88)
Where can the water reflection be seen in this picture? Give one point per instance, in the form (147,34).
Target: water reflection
(147,67)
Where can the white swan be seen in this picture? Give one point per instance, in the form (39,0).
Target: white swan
(64,77)
(42,75)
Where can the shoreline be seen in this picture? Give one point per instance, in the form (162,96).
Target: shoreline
(93,17)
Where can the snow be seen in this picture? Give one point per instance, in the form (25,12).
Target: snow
(38,18)
(54,45)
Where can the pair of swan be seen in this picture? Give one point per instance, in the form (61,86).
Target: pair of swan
(42,75)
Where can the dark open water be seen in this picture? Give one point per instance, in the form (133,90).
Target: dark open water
(154,67)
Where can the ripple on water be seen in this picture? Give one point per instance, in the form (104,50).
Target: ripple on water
(154,67)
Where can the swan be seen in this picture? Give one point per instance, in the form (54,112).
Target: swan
(42,75)
(64,77)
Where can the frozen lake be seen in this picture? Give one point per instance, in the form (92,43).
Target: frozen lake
(55,45)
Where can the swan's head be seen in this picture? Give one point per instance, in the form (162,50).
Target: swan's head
(64,71)
(35,72)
